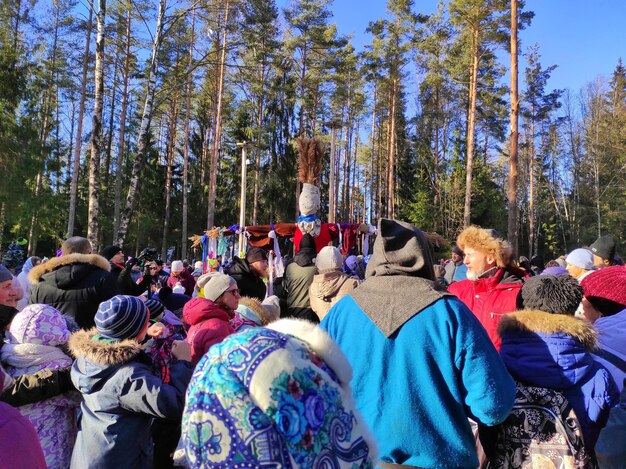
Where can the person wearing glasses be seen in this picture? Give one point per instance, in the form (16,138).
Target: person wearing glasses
(209,314)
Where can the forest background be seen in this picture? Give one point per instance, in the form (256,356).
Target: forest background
(119,121)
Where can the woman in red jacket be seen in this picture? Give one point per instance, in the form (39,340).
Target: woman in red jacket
(210,312)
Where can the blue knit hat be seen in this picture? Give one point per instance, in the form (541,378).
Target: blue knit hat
(121,317)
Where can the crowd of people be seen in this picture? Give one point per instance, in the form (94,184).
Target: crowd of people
(393,360)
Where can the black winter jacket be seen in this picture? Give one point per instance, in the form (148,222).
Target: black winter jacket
(75,284)
(248,282)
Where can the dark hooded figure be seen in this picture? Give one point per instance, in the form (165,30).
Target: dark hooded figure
(298,278)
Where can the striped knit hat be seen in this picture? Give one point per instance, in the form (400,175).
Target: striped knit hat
(121,317)
(155,308)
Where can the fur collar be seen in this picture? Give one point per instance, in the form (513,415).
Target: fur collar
(94,259)
(546,323)
(81,344)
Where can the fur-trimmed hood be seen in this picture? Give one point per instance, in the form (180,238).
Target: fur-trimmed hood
(546,323)
(69,259)
(82,345)
(548,350)
(263,316)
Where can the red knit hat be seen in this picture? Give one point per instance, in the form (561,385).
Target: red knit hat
(608,283)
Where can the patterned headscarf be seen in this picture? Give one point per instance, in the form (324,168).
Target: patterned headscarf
(264,398)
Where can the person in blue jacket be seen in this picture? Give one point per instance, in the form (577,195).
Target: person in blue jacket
(546,346)
(121,394)
(422,363)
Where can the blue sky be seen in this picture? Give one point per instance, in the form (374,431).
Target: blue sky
(584,38)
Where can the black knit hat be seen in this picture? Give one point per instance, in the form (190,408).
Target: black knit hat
(604,247)
(109,251)
(556,294)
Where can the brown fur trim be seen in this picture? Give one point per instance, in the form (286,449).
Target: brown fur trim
(36,272)
(482,240)
(256,306)
(82,344)
(546,323)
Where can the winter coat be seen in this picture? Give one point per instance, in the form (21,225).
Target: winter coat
(611,445)
(417,387)
(491,298)
(209,325)
(455,271)
(26,285)
(19,445)
(248,282)
(612,345)
(121,397)
(35,335)
(185,279)
(554,351)
(296,282)
(75,284)
(125,283)
(329,287)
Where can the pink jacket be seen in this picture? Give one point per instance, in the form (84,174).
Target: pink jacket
(209,325)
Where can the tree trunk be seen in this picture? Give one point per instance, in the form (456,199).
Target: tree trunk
(531,185)
(79,130)
(119,161)
(331,182)
(218,123)
(391,186)
(107,153)
(183,243)
(471,124)
(170,151)
(96,132)
(512,232)
(144,130)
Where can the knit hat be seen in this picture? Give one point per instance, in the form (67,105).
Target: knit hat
(556,294)
(554,271)
(5,274)
(287,390)
(458,251)
(606,289)
(110,251)
(329,258)
(155,308)
(582,258)
(255,254)
(214,284)
(121,317)
(604,247)
(39,324)
(177,266)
